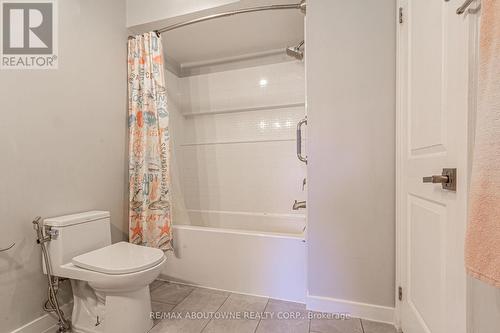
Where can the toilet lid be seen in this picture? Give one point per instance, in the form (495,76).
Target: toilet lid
(119,258)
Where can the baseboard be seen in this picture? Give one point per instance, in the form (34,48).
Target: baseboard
(359,310)
(45,322)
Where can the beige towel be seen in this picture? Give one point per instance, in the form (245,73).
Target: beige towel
(482,246)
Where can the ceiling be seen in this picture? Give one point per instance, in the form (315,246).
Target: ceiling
(230,37)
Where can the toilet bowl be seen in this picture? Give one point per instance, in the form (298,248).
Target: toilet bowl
(110,282)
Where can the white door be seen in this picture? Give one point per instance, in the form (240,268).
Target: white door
(432,135)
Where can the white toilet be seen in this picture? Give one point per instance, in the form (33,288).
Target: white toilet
(110,282)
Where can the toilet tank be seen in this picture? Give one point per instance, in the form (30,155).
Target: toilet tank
(76,234)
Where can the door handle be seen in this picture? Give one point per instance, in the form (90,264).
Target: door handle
(299,140)
(447,179)
(436,179)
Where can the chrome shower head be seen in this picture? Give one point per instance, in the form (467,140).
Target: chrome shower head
(295,51)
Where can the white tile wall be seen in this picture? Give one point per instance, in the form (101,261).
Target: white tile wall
(238,158)
(262,177)
(262,125)
(274,84)
(176,128)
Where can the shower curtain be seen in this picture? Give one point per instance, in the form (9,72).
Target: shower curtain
(150,213)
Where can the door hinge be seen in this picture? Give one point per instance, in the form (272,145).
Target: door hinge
(401,15)
(400,293)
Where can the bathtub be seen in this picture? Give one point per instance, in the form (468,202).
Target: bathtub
(237,259)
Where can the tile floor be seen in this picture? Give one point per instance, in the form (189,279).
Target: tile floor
(175,302)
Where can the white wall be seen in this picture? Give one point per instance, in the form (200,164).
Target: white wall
(484,307)
(238,163)
(350,70)
(63,150)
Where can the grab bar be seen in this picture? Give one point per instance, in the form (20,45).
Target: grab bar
(8,247)
(299,140)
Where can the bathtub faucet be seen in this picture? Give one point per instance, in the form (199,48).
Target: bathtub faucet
(298,205)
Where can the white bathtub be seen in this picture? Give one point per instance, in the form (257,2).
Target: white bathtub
(271,264)
(276,223)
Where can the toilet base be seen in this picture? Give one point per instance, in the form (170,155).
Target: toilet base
(129,312)
(97,311)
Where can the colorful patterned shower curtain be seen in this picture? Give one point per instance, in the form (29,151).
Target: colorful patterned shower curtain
(150,213)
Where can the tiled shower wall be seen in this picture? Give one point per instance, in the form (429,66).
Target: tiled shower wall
(234,155)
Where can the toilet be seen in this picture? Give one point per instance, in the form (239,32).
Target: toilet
(110,282)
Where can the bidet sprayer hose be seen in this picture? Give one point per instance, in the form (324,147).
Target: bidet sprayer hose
(64,325)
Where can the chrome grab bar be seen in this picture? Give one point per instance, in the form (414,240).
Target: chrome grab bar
(8,247)
(299,140)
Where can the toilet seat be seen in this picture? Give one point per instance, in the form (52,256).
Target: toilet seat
(119,258)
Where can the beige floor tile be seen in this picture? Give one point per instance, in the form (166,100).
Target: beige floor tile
(278,305)
(231,326)
(376,327)
(283,326)
(285,317)
(160,310)
(155,284)
(183,325)
(171,293)
(330,325)
(194,311)
(242,306)
(201,299)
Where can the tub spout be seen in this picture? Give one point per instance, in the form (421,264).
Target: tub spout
(298,205)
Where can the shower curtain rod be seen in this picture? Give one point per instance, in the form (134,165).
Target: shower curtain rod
(301,6)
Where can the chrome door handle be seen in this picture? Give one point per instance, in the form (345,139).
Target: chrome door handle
(299,140)
(447,179)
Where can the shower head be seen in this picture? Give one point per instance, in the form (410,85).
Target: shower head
(295,51)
